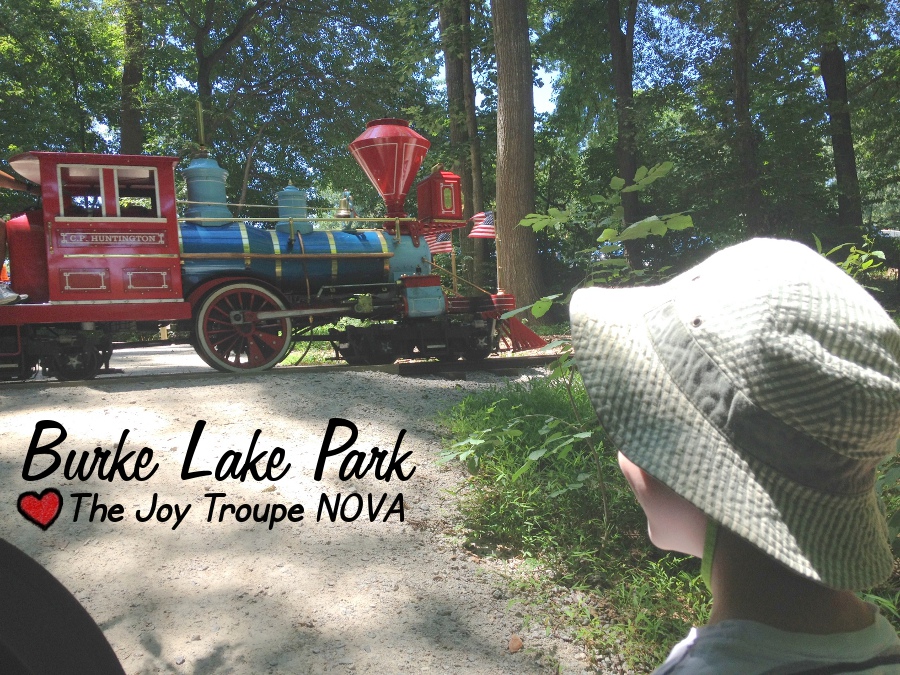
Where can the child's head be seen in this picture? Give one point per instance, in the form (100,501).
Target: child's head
(762,386)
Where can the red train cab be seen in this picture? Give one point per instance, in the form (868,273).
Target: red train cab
(103,247)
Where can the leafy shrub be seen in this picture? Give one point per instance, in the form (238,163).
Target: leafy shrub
(543,498)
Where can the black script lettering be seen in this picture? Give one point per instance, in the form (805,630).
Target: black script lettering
(186,473)
(81,470)
(35,449)
(352,464)
(261,513)
(163,512)
(113,513)
(352,507)
(118,464)
(234,464)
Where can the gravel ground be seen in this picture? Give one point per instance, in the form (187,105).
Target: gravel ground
(312,596)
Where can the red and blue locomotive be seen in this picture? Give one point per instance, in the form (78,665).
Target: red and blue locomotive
(108,246)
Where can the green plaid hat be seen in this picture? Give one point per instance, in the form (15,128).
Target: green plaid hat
(763,385)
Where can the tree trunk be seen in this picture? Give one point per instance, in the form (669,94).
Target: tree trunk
(834,77)
(248,165)
(756,220)
(450,24)
(518,264)
(207,60)
(476,203)
(131,128)
(622,51)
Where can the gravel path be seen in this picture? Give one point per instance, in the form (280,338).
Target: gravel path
(238,597)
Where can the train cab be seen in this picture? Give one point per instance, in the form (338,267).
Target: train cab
(107,234)
(102,248)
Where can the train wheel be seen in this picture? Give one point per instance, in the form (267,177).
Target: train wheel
(382,351)
(241,347)
(369,347)
(76,365)
(478,347)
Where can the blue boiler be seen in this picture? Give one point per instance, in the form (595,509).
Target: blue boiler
(304,265)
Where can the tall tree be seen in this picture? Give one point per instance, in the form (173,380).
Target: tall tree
(834,78)
(518,263)
(756,219)
(621,41)
(450,24)
(213,35)
(287,97)
(455,28)
(132,131)
(833,69)
(476,203)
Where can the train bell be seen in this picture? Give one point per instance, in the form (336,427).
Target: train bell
(346,208)
(343,209)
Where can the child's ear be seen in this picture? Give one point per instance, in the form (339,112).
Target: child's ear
(635,475)
(673,523)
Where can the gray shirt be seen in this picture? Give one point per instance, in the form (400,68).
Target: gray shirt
(738,647)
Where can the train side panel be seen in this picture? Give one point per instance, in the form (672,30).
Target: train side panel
(106,239)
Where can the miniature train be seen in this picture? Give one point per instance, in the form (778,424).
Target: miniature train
(108,246)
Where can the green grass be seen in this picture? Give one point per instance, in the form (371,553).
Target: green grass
(552,329)
(638,602)
(319,352)
(633,600)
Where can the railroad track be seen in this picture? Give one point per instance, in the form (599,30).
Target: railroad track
(507,365)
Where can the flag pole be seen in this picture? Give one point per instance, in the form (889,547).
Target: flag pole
(497,250)
(453,261)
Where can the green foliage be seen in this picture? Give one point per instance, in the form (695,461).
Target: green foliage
(58,74)
(684,109)
(318,352)
(660,601)
(519,446)
(540,490)
(557,435)
(888,488)
(860,261)
(547,488)
(607,262)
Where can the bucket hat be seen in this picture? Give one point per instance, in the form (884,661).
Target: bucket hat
(762,385)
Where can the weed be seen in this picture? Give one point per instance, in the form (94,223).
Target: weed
(319,352)
(631,599)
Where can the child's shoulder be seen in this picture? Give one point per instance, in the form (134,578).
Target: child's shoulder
(752,648)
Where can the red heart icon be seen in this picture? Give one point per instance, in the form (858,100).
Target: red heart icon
(41,509)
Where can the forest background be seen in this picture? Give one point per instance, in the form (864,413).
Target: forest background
(780,117)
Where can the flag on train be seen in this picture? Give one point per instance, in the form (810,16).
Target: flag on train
(439,243)
(483,226)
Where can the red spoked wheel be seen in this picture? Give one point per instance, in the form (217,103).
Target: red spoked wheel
(234,346)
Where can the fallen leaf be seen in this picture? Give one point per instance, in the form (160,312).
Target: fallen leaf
(515,644)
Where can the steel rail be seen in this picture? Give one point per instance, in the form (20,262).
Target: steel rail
(497,364)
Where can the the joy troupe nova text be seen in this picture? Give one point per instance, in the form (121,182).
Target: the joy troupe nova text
(233,465)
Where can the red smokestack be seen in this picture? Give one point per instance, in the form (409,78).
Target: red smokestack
(390,153)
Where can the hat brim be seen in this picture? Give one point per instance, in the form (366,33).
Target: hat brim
(652,422)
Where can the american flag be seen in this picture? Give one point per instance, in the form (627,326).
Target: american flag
(483,226)
(439,243)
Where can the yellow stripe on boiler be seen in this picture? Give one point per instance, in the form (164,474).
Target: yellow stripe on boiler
(334,262)
(384,249)
(276,248)
(245,241)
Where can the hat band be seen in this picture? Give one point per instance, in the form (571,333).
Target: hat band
(749,428)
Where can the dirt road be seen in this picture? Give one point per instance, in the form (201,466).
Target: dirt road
(187,580)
